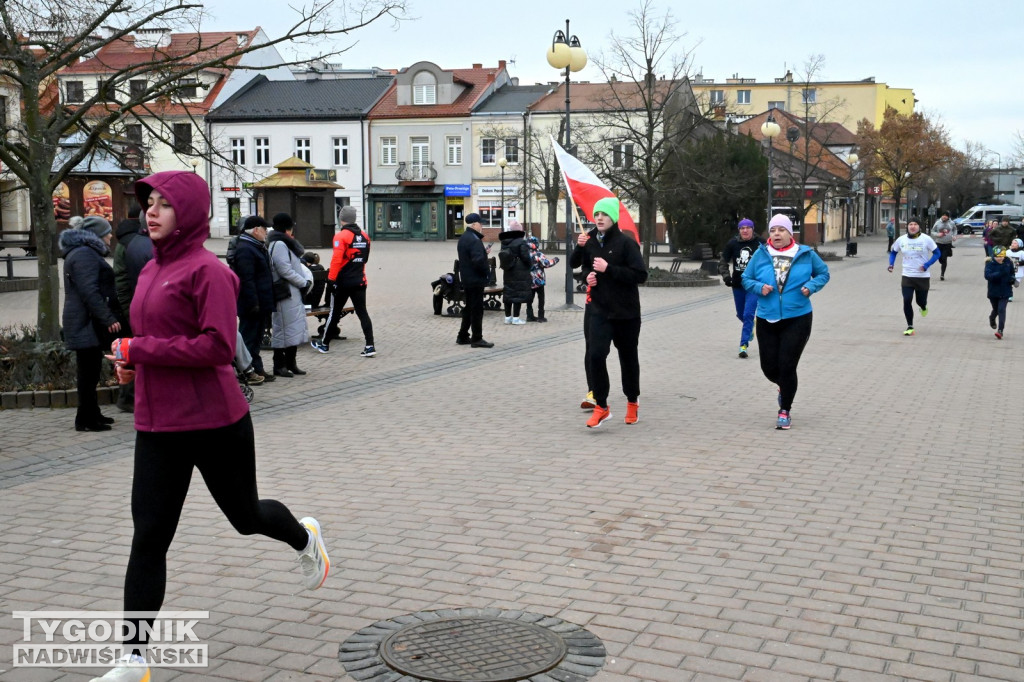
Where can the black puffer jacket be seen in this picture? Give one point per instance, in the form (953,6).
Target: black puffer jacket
(89,292)
(255,278)
(517,278)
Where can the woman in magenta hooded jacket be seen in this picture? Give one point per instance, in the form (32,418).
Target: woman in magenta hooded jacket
(189,411)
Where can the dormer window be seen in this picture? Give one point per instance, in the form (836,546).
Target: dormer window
(188,88)
(424,88)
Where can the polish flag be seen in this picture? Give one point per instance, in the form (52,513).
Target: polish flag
(585,188)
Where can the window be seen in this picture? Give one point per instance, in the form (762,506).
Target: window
(388,151)
(75,91)
(188,88)
(183,138)
(419,154)
(341,151)
(512,150)
(136,87)
(717,96)
(424,88)
(262,145)
(743,97)
(238,151)
(133,132)
(3,117)
(810,95)
(302,148)
(781,106)
(622,156)
(454,154)
(107,91)
(424,94)
(488,147)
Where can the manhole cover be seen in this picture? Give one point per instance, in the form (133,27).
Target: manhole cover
(472,645)
(457,649)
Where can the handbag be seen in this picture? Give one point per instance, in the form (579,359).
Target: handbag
(282,289)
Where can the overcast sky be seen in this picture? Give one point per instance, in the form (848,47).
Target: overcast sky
(964,60)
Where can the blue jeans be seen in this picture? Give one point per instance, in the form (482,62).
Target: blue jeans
(746,306)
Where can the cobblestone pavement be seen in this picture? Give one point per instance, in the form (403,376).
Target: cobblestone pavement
(879,539)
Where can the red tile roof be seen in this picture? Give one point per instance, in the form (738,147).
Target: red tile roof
(817,154)
(185,48)
(477,80)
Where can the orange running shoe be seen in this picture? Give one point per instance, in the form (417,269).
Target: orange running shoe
(631,413)
(600,415)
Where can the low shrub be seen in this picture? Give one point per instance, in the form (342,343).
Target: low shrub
(27,364)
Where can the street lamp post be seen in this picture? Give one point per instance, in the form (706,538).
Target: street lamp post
(852,160)
(769,129)
(502,162)
(566,53)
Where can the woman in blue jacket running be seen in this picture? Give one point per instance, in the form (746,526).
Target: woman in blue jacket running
(783,275)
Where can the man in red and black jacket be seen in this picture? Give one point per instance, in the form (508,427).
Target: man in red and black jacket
(347,280)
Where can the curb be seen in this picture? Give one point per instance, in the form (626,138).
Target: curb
(13,400)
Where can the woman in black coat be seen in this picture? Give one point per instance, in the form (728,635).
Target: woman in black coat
(90,312)
(518,281)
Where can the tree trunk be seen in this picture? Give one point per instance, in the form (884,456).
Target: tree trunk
(897,194)
(45,226)
(647,226)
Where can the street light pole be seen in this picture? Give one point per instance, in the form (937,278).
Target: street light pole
(502,162)
(769,129)
(566,53)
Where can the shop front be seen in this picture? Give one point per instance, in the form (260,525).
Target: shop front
(405,213)
(455,209)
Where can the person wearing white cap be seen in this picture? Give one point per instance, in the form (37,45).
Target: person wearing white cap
(783,275)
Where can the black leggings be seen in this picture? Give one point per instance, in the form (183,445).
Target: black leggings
(625,334)
(999,310)
(538,294)
(338,300)
(586,347)
(909,293)
(89,365)
(781,345)
(226,458)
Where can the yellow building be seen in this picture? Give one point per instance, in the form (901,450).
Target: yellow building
(844,102)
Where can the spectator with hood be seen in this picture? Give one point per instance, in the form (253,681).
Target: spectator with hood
(90,312)
(288,323)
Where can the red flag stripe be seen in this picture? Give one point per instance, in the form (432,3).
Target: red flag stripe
(585,188)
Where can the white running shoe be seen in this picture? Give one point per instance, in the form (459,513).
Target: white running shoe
(517,320)
(508,319)
(313,560)
(129,669)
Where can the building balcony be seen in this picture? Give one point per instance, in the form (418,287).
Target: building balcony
(416,174)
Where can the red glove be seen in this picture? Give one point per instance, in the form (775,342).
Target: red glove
(120,349)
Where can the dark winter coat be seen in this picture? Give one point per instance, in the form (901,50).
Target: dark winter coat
(615,295)
(255,278)
(1000,278)
(90,297)
(1002,235)
(126,232)
(518,280)
(474,270)
(138,253)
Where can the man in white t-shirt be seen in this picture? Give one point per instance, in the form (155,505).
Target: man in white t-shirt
(919,253)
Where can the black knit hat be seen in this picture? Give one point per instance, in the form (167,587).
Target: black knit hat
(252,222)
(283,221)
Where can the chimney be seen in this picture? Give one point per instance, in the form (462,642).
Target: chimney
(501,64)
(478,66)
(153,37)
(719,112)
(490,78)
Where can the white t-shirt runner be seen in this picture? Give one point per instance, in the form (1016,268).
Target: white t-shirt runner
(916,252)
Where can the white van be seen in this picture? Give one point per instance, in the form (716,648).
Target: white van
(973,220)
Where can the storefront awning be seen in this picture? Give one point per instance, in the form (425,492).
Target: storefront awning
(403,191)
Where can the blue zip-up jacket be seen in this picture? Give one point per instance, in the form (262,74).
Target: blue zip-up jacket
(806,270)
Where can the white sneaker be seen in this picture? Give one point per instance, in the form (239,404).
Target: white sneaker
(313,560)
(130,669)
(516,320)
(508,319)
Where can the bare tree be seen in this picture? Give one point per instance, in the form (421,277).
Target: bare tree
(1018,148)
(40,38)
(807,138)
(644,114)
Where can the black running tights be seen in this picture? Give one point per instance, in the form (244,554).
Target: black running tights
(908,302)
(226,458)
(999,311)
(780,346)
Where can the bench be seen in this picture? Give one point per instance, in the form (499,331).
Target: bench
(18,240)
(322,313)
(456,296)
